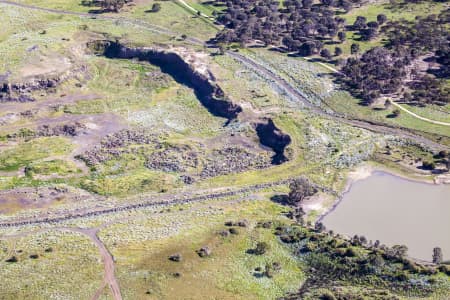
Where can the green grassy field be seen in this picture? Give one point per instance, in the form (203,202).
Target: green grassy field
(72,261)
(21,155)
(143,264)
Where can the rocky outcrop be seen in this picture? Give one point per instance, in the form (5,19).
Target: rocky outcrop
(19,91)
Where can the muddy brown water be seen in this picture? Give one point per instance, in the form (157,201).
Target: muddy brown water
(396,211)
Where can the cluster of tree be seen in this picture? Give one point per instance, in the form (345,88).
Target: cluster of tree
(335,259)
(387,70)
(299,25)
(106,5)
(378,71)
(368,30)
(300,189)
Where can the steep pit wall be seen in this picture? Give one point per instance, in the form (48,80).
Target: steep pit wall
(203,83)
(207,91)
(270,136)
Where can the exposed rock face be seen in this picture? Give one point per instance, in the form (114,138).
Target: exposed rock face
(19,91)
(270,136)
(172,63)
(69,129)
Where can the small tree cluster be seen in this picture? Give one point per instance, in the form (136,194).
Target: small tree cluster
(300,189)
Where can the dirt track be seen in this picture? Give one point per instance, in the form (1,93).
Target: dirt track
(108,261)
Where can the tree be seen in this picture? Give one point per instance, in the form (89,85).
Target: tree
(381,19)
(437,255)
(307,3)
(300,189)
(396,112)
(399,250)
(360,23)
(327,2)
(325,53)
(156,7)
(337,51)
(368,33)
(428,165)
(341,36)
(354,48)
(112,5)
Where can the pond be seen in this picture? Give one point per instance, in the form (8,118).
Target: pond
(396,211)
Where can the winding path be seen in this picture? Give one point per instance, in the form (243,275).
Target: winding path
(182,2)
(419,117)
(393,102)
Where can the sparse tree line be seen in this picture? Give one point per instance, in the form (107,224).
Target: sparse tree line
(304,27)
(389,70)
(107,5)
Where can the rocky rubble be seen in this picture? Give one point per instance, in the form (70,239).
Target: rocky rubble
(173,159)
(74,129)
(115,144)
(71,130)
(233,160)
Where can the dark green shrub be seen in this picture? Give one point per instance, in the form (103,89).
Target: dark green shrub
(261,248)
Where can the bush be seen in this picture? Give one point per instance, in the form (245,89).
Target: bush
(242,223)
(175,257)
(445,269)
(442,154)
(350,252)
(271,269)
(204,251)
(12,259)
(156,7)
(261,248)
(233,231)
(327,296)
(396,112)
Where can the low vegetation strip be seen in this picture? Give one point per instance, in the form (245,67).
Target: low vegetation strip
(144,204)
